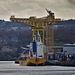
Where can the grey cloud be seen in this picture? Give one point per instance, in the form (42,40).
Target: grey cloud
(72,1)
(26,8)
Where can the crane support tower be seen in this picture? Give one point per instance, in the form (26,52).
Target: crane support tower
(38,24)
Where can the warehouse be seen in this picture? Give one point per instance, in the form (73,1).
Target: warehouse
(69,49)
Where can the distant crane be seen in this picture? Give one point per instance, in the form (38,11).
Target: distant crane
(38,24)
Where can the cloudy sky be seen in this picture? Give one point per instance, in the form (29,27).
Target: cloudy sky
(64,9)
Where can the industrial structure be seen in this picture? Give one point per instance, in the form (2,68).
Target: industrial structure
(34,55)
(69,49)
(38,24)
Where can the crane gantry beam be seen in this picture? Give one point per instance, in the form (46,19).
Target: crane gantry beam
(38,24)
(34,22)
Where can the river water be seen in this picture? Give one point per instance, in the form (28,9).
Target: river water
(10,68)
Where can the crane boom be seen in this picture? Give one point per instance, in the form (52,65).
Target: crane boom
(34,22)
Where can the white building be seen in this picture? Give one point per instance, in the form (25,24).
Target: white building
(69,48)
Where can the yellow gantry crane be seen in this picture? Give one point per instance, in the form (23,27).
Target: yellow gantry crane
(38,24)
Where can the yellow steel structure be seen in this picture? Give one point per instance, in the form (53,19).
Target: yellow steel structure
(38,24)
(33,22)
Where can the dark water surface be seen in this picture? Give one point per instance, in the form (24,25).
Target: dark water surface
(10,68)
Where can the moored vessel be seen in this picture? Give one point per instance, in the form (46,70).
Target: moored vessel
(35,55)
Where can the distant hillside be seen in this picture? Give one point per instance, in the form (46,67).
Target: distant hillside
(65,31)
(7,26)
(66,24)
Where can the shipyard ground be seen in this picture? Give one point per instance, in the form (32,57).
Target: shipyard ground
(10,68)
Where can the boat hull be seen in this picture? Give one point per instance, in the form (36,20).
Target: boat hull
(32,62)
